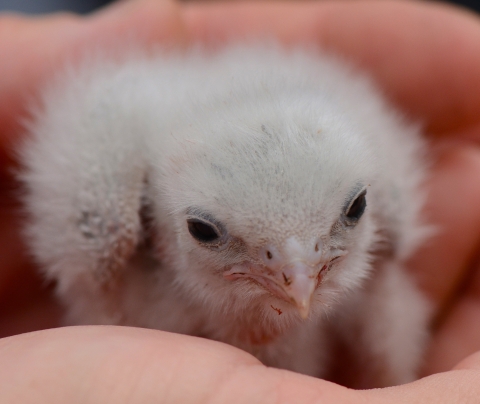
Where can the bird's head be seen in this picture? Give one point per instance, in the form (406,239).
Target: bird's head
(272,208)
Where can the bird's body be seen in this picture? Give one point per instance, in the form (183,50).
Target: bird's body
(223,195)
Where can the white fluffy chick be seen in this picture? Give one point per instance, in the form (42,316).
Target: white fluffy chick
(256,196)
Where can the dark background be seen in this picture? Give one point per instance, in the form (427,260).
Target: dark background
(48,6)
(84,6)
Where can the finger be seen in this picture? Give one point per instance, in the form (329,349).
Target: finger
(449,387)
(425,56)
(459,334)
(462,385)
(452,207)
(446,266)
(126,365)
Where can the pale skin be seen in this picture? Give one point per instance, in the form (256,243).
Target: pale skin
(425,56)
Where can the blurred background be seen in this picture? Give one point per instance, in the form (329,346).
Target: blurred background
(84,6)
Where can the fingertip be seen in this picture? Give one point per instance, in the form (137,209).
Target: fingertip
(150,22)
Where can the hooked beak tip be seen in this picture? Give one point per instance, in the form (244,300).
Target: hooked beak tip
(303,309)
(301,287)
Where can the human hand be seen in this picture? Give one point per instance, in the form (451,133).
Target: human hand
(134,365)
(430,70)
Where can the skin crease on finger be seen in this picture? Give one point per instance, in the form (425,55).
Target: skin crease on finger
(402,65)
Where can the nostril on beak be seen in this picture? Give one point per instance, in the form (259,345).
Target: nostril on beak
(270,256)
(299,285)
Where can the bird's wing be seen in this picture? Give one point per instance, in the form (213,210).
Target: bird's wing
(85,174)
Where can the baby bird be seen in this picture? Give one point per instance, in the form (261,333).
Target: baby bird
(256,196)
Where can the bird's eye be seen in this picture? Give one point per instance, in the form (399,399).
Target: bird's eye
(356,209)
(201,231)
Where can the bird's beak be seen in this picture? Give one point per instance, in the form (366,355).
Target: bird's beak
(299,282)
(294,282)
